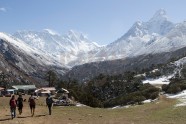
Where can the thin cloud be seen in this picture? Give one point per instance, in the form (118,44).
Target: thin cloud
(2,9)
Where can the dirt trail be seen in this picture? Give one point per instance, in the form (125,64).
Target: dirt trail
(41,113)
(161,111)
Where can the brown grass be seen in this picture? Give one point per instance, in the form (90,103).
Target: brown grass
(159,112)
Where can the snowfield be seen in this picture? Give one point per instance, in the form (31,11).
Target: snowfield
(161,80)
(180,96)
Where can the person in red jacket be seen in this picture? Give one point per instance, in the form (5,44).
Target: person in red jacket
(12,104)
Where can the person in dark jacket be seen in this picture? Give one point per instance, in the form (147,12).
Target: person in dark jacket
(20,104)
(32,104)
(12,104)
(49,102)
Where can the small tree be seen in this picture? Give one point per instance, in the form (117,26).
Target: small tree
(51,78)
(4,80)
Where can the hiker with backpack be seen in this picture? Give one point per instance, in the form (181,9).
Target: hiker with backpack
(12,104)
(32,104)
(49,102)
(20,104)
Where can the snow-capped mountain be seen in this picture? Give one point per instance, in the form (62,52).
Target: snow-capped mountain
(39,56)
(154,36)
(20,60)
(64,48)
(157,35)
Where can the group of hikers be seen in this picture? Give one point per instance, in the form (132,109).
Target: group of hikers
(19,103)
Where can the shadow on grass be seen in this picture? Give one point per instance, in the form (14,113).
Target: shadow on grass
(40,115)
(6,119)
(31,116)
(23,116)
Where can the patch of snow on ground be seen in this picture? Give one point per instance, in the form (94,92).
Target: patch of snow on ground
(180,96)
(182,102)
(116,107)
(155,70)
(161,80)
(147,101)
(80,105)
(119,107)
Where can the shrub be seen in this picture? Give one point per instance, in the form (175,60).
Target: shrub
(137,98)
(154,95)
(176,85)
(183,86)
(90,100)
(174,88)
(164,87)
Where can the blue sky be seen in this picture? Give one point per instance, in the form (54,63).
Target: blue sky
(103,21)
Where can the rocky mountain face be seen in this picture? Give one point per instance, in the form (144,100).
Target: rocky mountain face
(28,55)
(157,41)
(88,71)
(23,64)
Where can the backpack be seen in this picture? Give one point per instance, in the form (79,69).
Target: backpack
(49,100)
(13,103)
(19,101)
(32,101)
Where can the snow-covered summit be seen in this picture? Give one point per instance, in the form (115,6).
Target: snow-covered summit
(64,47)
(74,35)
(138,29)
(157,35)
(159,23)
(52,32)
(160,15)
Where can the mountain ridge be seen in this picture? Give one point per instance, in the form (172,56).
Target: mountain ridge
(142,38)
(155,37)
(65,47)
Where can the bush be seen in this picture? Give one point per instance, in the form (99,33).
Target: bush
(154,95)
(137,98)
(183,86)
(149,91)
(90,101)
(164,87)
(176,85)
(174,88)
(109,91)
(126,99)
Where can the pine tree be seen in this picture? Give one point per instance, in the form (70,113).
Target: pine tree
(51,78)
(4,82)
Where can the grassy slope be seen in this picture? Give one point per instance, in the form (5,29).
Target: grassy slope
(159,112)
